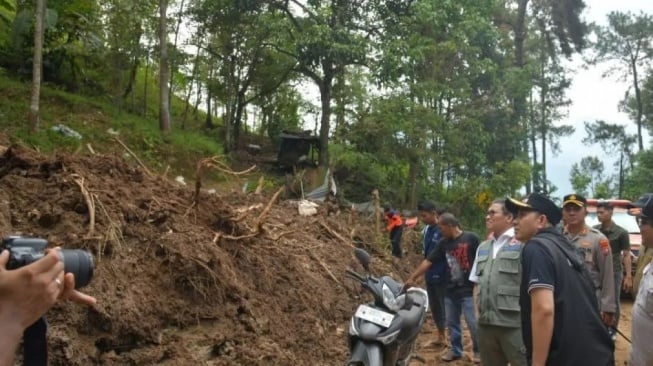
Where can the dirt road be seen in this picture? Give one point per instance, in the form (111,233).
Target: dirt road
(432,355)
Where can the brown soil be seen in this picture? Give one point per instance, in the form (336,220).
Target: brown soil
(175,285)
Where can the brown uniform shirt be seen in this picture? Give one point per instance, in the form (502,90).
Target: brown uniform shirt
(595,249)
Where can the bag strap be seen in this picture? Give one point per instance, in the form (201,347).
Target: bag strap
(35,344)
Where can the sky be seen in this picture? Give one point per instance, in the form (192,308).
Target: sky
(593,98)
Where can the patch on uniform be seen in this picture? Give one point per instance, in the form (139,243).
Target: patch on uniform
(605,246)
(483,252)
(585,244)
(512,248)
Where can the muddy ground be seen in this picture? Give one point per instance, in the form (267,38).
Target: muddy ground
(186,279)
(432,354)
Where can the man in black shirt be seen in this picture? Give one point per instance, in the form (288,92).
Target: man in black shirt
(459,249)
(561,324)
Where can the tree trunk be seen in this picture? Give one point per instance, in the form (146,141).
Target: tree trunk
(193,75)
(164,107)
(132,78)
(240,106)
(325,97)
(208,122)
(34,112)
(533,137)
(638,98)
(147,74)
(173,61)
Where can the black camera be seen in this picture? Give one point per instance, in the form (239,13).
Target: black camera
(23,251)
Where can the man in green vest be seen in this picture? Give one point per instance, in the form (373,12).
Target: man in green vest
(497,275)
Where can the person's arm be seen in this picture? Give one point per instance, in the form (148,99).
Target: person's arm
(417,273)
(542,310)
(538,271)
(27,293)
(624,241)
(10,337)
(542,315)
(603,259)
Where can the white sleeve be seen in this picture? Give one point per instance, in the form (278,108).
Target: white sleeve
(472,275)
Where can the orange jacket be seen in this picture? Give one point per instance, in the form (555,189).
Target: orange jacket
(394,220)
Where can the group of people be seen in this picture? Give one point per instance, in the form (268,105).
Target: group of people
(542,289)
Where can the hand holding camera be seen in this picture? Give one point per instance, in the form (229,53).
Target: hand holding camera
(32,279)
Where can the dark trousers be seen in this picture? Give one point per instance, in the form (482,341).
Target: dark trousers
(436,292)
(395,240)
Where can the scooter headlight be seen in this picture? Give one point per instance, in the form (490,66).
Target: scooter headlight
(390,301)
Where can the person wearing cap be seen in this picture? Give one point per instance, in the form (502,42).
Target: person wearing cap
(620,246)
(561,323)
(458,248)
(497,275)
(395,227)
(641,353)
(595,250)
(436,276)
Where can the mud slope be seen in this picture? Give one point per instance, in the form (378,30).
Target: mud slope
(175,284)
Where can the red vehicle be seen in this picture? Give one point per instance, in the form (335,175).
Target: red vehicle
(620,217)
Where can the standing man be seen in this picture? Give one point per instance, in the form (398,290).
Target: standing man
(458,248)
(395,226)
(561,324)
(594,248)
(641,353)
(620,247)
(497,275)
(435,277)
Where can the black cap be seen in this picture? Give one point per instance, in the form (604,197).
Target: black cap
(536,202)
(574,198)
(645,205)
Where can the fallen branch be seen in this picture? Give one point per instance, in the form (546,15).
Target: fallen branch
(90,203)
(259,186)
(245,211)
(335,234)
(278,236)
(90,148)
(215,163)
(266,210)
(134,155)
(326,269)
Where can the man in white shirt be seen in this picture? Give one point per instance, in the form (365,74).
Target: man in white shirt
(497,275)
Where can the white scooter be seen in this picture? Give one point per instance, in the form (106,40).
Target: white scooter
(384,332)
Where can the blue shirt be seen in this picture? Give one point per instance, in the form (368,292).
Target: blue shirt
(438,271)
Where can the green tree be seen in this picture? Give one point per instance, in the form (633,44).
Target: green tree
(587,178)
(614,140)
(627,40)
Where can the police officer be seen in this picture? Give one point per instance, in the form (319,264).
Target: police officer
(595,250)
(497,275)
(641,353)
(561,325)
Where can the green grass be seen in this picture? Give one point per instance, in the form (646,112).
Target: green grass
(92,117)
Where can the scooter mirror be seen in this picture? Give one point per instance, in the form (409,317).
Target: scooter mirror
(363,258)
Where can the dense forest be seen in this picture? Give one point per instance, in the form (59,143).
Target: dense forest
(459,101)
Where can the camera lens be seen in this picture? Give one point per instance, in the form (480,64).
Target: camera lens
(80,264)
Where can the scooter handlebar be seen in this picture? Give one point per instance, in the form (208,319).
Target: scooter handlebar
(355,275)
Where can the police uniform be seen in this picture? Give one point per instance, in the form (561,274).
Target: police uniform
(594,249)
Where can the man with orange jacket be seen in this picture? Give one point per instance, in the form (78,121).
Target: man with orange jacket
(395,226)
